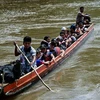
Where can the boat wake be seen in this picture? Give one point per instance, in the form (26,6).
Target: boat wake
(40,89)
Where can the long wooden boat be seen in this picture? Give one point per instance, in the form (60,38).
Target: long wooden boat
(26,80)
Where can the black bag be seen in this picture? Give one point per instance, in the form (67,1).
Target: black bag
(10,71)
(8,74)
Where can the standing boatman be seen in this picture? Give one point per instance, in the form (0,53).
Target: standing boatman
(29,52)
(80,16)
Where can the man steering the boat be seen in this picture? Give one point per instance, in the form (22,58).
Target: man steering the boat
(29,52)
(80,16)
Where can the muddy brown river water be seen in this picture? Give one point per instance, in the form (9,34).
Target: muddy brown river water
(78,78)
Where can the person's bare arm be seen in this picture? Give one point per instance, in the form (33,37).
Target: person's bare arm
(53,57)
(33,60)
(16,51)
(62,53)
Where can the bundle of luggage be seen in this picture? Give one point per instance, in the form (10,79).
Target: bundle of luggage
(10,72)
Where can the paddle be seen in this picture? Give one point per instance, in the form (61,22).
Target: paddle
(34,69)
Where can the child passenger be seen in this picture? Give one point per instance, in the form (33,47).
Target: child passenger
(39,61)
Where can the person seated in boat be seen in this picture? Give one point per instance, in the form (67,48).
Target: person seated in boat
(67,34)
(64,40)
(57,40)
(56,49)
(29,52)
(46,54)
(74,34)
(70,38)
(82,28)
(60,42)
(64,43)
(80,16)
(52,45)
(46,41)
(64,29)
(77,31)
(39,61)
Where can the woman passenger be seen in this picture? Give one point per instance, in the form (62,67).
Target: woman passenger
(54,47)
(46,41)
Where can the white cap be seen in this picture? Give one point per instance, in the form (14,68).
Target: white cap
(63,28)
